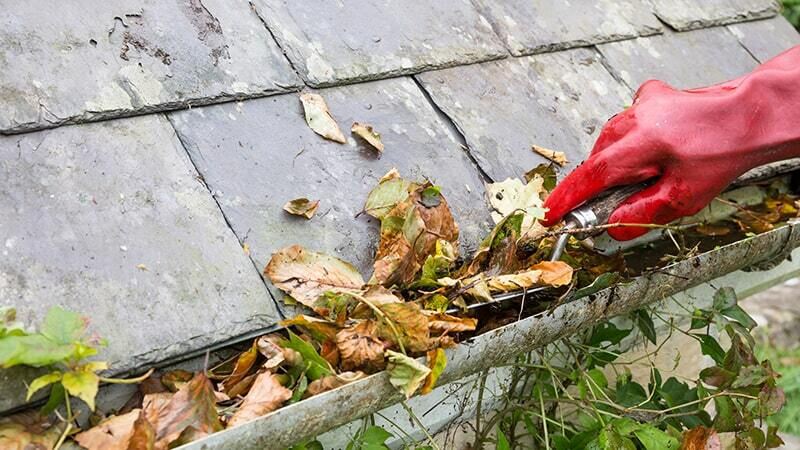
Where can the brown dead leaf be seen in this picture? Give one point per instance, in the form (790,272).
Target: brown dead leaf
(129,431)
(360,348)
(276,354)
(301,207)
(244,363)
(514,281)
(153,403)
(193,406)
(319,118)
(441,323)
(320,329)
(306,275)
(330,382)
(28,431)
(174,380)
(554,273)
(405,323)
(365,132)
(712,230)
(266,395)
(376,295)
(701,438)
(557,157)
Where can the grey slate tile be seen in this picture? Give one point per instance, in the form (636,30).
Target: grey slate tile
(79,60)
(111,220)
(693,14)
(334,42)
(765,39)
(684,60)
(258,154)
(535,26)
(556,100)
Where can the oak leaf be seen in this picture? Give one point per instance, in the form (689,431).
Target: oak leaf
(319,118)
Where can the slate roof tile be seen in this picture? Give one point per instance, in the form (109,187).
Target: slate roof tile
(331,42)
(556,100)
(258,154)
(537,26)
(79,60)
(765,39)
(110,220)
(684,60)
(693,14)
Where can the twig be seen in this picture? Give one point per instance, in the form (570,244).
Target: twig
(615,225)
(419,424)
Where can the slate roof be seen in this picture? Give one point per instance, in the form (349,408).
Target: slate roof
(146,143)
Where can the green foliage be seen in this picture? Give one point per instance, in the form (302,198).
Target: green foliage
(791,10)
(787,363)
(317,366)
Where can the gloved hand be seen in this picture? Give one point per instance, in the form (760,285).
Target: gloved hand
(694,143)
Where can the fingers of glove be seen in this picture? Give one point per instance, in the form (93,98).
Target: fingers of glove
(614,130)
(651,88)
(600,172)
(657,204)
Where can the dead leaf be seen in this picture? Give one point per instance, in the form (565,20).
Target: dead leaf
(405,323)
(193,406)
(306,275)
(129,431)
(330,382)
(319,118)
(270,347)
(174,380)
(701,438)
(437,361)
(244,363)
(391,190)
(320,329)
(365,132)
(301,207)
(512,196)
(266,395)
(441,323)
(376,295)
(554,273)
(557,157)
(406,373)
(28,431)
(712,230)
(514,281)
(360,348)
(153,403)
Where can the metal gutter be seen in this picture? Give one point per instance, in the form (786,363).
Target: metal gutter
(318,414)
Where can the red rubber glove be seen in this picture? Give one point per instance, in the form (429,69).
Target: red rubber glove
(694,143)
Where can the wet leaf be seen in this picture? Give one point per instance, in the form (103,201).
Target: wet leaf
(701,438)
(319,118)
(306,275)
(301,207)
(360,348)
(330,382)
(129,431)
(266,395)
(193,406)
(391,190)
(512,196)
(28,431)
(317,366)
(320,329)
(437,361)
(368,134)
(441,323)
(244,363)
(557,157)
(406,373)
(405,323)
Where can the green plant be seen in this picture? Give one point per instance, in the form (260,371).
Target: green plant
(791,10)
(787,363)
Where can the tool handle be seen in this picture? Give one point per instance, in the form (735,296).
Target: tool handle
(605,204)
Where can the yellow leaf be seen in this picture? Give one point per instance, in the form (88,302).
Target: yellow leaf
(442,323)
(365,132)
(82,384)
(42,382)
(557,157)
(437,361)
(405,324)
(406,373)
(319,118)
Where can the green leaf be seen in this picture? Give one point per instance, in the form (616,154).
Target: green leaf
(82,384)
(56,399)
(625,426)
(699,319)
(299,390)
(728,415)
(318,367)
(391,191)
(654,439)
(739,315)
(773,440)
(724,298)
(751,376)
(8,323)
(406,373)
(33,350)
(607,332)
(63,326)
(374,438)
(709,346)
(609,439)
(548,174)
(502,440)
(42,382)
(603,281)
(431,196)
(645,324)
